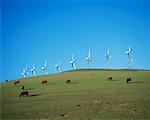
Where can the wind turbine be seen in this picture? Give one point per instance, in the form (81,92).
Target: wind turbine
(128,52)
(25,73)
(72,62)
(108,56)
(44,67)
(57,66)
(33,70)
(88,58)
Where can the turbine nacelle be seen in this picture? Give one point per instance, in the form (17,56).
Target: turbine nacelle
(71,62)
(129,50)
(88,60)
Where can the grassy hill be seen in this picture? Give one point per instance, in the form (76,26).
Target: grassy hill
(89,96)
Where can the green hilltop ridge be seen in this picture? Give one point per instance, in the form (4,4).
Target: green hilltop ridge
(84,70)
(79,70)
(89,95)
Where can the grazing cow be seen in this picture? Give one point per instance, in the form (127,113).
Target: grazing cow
(22,87)
(16,82)
(109,78)
(24,93)
(128,79)
(44,81)
(68,81)
(93,74)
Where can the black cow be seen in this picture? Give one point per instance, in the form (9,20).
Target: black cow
(22,87)
(109,78)
(68,81)
(24,93)
(6,80)
(128,79)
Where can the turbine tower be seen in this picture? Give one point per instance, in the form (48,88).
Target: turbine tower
(43,68)
(88,58)
(25,73)
(72,62)
(57,66)
(108,56)
(33,70)
(128,52)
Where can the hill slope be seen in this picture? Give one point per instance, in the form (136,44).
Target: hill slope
(89,96)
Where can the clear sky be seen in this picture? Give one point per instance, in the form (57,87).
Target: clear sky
(35,31)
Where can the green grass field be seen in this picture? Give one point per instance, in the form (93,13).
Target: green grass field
(90,96)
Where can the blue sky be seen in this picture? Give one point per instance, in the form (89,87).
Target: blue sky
(35,31)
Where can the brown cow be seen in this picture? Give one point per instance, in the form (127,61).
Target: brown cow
(16,82)
(109,78)
(68,81)
(44,81)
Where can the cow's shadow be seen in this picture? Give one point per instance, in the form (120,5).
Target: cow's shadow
(136,82)
(33,95)
(51,83)
(115,80)
(73,82)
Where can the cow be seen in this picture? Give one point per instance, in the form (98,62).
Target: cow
(44,81)
(16,82)
(23,93)
(6,80)
(68,81)
(93,74)
(22,87)
(128,79)
(109,78)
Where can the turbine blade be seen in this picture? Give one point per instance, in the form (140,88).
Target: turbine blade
(26,66)
(72,57)
(45,63)
(89,53)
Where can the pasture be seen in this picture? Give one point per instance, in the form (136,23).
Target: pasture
(89,96)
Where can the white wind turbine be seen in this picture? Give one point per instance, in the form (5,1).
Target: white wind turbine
(33,70)
(88,58)
(43,68)
(72,62)
(57,66)
(25,73)
(108,56)
(128,52)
